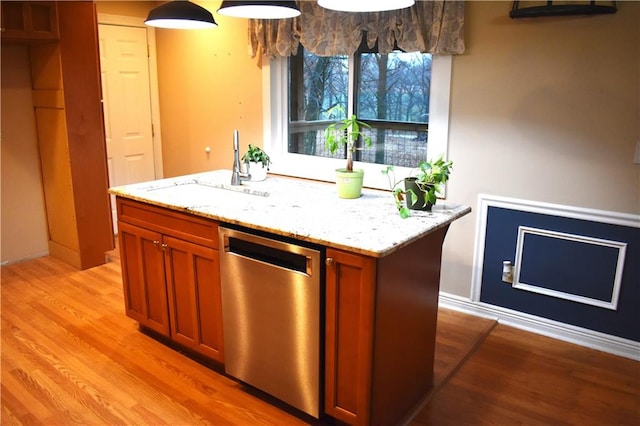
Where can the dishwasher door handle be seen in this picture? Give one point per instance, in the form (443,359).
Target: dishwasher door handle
(283,255)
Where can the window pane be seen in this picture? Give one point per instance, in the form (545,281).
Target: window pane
(405,148)
(393,92)
(316,84)
(392,96)
(394,87)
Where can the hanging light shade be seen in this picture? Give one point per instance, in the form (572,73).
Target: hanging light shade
(259,9)
(180,14)
(365,5)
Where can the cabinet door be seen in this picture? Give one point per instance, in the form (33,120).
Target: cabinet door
(350,292)
(145,291)
(193,279)
(29,20)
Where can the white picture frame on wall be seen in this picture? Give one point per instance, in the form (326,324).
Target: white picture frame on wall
(538,288)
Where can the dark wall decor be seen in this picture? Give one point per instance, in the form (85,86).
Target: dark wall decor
(532,9)
(570,266)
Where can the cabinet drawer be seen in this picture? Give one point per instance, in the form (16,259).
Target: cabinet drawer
(180,225)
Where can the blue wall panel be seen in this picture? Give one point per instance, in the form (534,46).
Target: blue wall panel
(566,266)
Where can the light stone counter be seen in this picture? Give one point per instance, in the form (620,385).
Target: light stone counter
(301,209)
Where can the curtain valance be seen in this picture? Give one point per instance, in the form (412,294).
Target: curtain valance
(428,26)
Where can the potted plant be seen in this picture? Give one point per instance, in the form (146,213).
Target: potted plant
(257,162)
(399,194)
(346,132)
(421,187)
(427,182)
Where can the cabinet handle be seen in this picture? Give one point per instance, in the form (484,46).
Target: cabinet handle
(157,244)
(329,261)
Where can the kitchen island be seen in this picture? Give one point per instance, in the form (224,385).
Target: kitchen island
(379,293)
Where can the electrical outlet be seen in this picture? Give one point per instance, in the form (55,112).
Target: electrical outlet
(637,156)
(507,272)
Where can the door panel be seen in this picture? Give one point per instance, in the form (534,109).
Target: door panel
(350,294)
(127,103)
(143,277)
(193,280)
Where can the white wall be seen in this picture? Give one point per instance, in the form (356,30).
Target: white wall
(545,109)
(24,224)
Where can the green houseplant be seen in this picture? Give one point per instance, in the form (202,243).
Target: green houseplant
(399,194)
(254,156)
(427,182)
(346,132)
(421,187)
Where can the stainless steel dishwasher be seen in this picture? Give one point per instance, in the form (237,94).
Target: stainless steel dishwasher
(271,316)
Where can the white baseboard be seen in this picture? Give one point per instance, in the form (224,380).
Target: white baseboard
(557,330)
(24,259)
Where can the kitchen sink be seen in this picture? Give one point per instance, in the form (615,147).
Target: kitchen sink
(189,191)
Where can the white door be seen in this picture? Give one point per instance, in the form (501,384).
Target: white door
(127,104)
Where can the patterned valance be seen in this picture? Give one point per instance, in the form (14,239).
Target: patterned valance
(428,26)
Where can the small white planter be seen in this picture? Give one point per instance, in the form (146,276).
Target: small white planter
(258,173)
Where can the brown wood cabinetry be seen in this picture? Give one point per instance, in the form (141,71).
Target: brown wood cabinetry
(380,331)
(145,289)
(380,313)
(350,289)
(171,275)
(29,21)
(67,100)
(195,310)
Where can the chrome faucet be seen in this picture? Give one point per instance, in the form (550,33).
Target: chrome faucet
(236,175)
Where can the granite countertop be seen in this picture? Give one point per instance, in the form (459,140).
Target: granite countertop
(301,209)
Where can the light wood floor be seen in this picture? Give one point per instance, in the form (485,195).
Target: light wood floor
(71,356)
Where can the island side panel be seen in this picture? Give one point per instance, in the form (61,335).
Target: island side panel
(408,282)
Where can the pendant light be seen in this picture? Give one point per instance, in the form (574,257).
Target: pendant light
(259,9)
(180,14)
(365,5)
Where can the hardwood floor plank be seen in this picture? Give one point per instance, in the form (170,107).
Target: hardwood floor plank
(9,418)
(60,404)
(19,401)
(71,375)
(84,334)
(457,337)
(66,372)
(71,355)
(517,377)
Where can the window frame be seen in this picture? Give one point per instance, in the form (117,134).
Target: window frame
(276,117)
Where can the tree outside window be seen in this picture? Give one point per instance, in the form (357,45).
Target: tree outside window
(390,93)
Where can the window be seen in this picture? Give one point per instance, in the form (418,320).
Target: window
(402,96)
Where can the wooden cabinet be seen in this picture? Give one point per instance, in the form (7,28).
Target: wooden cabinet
(380,331)
(350,290)
(29,21)
(61,38)
(195,310)
(171,275)
(66,95)
(145,290)
(380,313)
